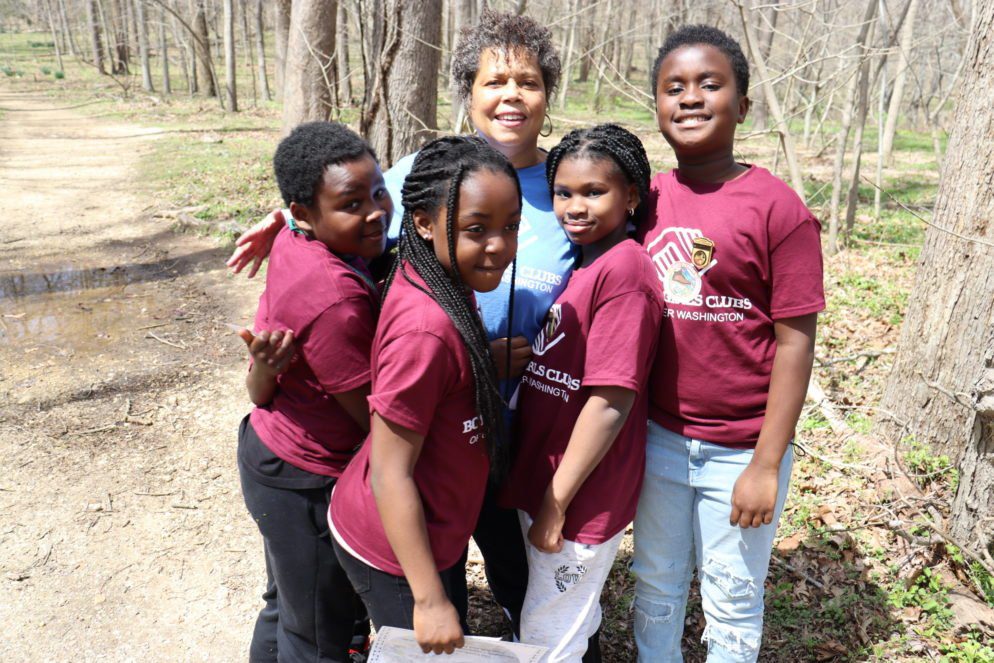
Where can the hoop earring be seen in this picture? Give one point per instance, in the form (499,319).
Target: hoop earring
(546,134)
(631,211)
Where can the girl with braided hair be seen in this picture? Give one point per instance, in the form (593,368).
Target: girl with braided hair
(404,510)
(504,71)
(583,407)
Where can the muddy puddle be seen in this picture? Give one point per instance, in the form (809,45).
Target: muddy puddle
(71,309)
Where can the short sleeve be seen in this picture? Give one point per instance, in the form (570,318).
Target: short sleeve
(622,341)
(338,344)
(797,273)
(414,372)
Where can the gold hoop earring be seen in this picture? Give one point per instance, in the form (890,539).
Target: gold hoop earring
(546,134)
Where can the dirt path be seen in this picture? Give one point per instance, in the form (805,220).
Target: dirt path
(122,531)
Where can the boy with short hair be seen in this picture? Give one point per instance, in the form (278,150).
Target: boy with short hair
(740,259)
(309,379)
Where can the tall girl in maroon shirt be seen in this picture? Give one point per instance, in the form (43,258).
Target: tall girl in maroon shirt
(405,508)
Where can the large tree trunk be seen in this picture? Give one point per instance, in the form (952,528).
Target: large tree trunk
(142,26)
(307,93)
(202,46)
(230,63)
(281,33)
(402,115)
(941,388)
(260,49)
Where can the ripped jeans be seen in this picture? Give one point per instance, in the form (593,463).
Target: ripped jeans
(682,521)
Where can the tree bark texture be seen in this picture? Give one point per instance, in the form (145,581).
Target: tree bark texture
(404,113)
(307,93)
(167,85)
(941,387)
(280,34)
(900,77)
(342,55)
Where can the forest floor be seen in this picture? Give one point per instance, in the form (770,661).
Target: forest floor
(123,535)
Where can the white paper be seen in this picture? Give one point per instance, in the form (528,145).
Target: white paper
(397,645)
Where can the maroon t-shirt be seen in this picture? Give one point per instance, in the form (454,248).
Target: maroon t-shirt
(332,312)
(602,331)
(733,257)
(422,380)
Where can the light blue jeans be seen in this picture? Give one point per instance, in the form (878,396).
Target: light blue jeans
(682,521)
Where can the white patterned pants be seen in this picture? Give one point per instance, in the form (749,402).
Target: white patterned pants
(562,607)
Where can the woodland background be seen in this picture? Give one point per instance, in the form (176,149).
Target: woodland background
(880,113)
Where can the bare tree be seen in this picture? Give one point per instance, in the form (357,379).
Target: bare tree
(95,41)
(280,37)
(55,33)
(900,77)
(142,26)
(230,64)
(202,46)
(260,49)
(307,85)
(342,53)
(941,389)
(167,86)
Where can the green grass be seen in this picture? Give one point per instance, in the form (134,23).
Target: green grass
(875,296)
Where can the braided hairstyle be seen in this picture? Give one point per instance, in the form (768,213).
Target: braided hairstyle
(435,178)
(606,141)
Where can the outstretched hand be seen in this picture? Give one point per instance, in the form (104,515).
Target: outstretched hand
(255,244)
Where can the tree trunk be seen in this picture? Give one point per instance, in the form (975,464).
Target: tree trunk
(74,50)
(845,126)
(142,26)
(55,33)
(120,23)
(95,41)
(760,111)
(401,116)
(862,108)
(572,8)
(187,57)
(342,54)
(167,85)
(462,16)
(602,55)
(900,77)
(280,35)
(941,388)
(202,46)
(230,63)
(260,49)
(307,93)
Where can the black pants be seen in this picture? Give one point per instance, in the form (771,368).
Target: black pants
(498,535)
(311,610)
(388,598)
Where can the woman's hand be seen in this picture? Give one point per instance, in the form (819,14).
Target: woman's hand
(521,353)
(436,626)
(754,497)
(255,243)
(546,532)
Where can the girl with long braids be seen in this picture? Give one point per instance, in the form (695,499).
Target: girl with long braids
(582,409)
(505,69)
(403,512)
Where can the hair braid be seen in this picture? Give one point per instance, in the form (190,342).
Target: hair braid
(438,171)
(606,141)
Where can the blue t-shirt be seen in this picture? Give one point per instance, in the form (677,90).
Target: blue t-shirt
(545,257)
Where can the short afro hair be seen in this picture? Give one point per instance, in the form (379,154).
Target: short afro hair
(693,35)
(301,158)
(507,33)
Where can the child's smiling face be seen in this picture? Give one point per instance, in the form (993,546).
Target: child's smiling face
(591,199)
(487,218)
(697,103)
(351,209)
